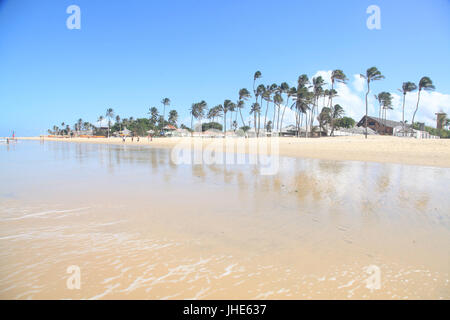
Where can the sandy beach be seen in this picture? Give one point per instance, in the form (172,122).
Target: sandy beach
(383,149)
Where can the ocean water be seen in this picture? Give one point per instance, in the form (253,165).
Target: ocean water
(135,225)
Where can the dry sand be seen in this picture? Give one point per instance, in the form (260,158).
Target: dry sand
(431,152)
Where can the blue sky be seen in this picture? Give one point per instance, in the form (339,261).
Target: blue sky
(128,55)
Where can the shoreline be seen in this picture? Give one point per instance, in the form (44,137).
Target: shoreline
(382,149)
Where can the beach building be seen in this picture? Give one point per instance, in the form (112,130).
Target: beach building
(169,129)
(381,126)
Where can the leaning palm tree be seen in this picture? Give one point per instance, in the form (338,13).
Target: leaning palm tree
(165,102)
(324,118)
(215,112)
(406,87)
(267,95)
(193,111)
(109,114)
(232,108)
(317,83)
(372,74)
(257,75)
(284,88)
(290,93)
(424,84)
(202,106)
(244,95)
(337,76)
(227,106)
(335,113)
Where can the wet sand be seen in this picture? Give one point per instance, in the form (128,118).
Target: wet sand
(427,152)
(141,227)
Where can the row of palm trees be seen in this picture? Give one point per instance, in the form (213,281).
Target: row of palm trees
(304,99)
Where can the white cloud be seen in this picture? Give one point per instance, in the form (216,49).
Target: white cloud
(358,83)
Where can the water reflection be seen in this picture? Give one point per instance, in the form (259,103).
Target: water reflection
(232,215)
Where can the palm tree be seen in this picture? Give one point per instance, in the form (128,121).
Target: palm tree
(284,88)
(201,109)
(257,75)
(406,87)
(165,102)
(267,95)
(290,93)
(387,105)
(193,111)
(372,74)
(227,106)
(255,110)
(100,120)
(337,76)
(324,117)
(79,124)
(173,117)
(215,112)
(424,84)
(381,98)
(317,84)
(277,101)
(385,102)
(109,114)
(335,113)
(153,112)
(244,95)
(118,122)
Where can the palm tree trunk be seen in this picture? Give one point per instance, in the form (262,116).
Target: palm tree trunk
(368,90)
(224,123)
(265,117)
(331,94)
(274,116)
(282,115)
(242,118)
(414,115)
(259,123)
(164,114)
(403,114)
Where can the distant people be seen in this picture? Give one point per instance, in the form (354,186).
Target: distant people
(138,139)
(123,139)
(7,140)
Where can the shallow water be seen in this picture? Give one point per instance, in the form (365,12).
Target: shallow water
(139,226)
